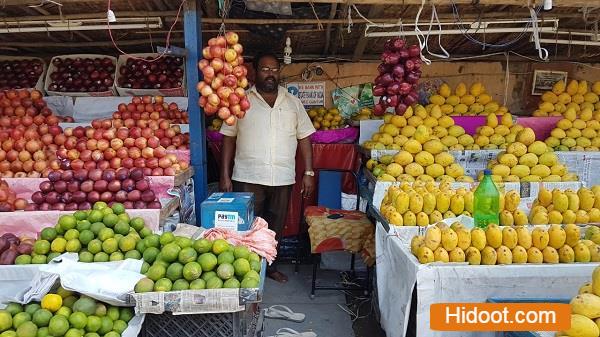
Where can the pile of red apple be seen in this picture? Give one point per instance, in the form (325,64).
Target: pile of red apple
(20,74)
(23,103)
(148,108)
(104,146)
(70,190)
(164,73)
(224,81)
(8,199)
(82,74)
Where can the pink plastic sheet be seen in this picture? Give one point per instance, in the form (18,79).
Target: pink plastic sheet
(338,136)
(182,155)
(542,126)
(25,187)
(29,224)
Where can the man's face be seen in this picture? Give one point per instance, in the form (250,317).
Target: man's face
(267,74)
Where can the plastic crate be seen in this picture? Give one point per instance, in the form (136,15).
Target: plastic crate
(528,300)
(245,323)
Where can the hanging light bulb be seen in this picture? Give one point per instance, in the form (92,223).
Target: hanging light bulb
(287,51)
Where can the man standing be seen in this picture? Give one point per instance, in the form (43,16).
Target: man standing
(265,143)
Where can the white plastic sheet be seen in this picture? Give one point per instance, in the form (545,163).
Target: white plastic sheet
(15,281)
(398,271)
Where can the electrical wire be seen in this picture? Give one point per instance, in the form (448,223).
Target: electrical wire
(465,32)
(167,43)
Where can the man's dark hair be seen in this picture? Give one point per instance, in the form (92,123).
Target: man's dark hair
(261,55)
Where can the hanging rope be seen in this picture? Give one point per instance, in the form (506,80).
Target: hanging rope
(319,24)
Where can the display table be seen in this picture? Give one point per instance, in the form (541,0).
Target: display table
(399,272)
(325,156)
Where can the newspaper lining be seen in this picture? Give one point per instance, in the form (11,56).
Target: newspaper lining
(189,301)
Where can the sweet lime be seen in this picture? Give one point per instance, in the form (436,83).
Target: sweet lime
(150,254)
(166,237)
(118,208)
(202,246)
(124,217)
(74,333)
(101,257)
(208,261)
(106,326)
(242,267)
(86,257)
(252,274)
(156,272)
(13,308)
(231,283)
(214,283)
(144,232)
(219,246)
(163,284)
(192,271)
(110,245)
(51,257)
(126,314)
(100,310)
(83,225)
(226,257)
(73,246)
(161,262)
(63,311)
(187,254)
(198,284)
(95,216)
(94,246)
(78,320)
(20,318)
(23,259)
(121,227)
(59,325)
(112,334)
(86,236)
(225,271)
(100,205)
(67,222)
(255,265)
(27,329)
(144,285)
(113,313)
(241,252)
(180,284)
(137,223)
(32,308)
(145,267)
(119,326)
(41,317)
(80,215)
(250,282)
(93,323)
(174,271)
(133,254)
(71,234)
(208,275)
(170,252)
(105,234)
(96,227)
(8,333)
(69,301)
(42,332)
(110,220)
(152,241)
(183,241)
(6,321)
(39,259)
(140,246)
(91,334)
(48,234)
(58,245)
(127,243)
(116,256)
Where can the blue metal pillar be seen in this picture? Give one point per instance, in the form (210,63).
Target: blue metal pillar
(193,44)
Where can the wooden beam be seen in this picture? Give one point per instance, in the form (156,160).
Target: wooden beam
(332,13)
(556,3)
(339,29)
(374,11)
(82,44)
(46,13)
(524,3)
(160,5)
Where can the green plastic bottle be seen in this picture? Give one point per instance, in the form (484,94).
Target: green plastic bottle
(486,201)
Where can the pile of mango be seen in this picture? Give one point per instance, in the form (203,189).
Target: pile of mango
(462,101)
(576,96)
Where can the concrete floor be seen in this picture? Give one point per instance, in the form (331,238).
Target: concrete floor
(323,314)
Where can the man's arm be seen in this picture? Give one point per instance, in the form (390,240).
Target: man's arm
(227,152)
(308,182)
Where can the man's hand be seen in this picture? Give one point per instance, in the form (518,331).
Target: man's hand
(225,184)
(308,186)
